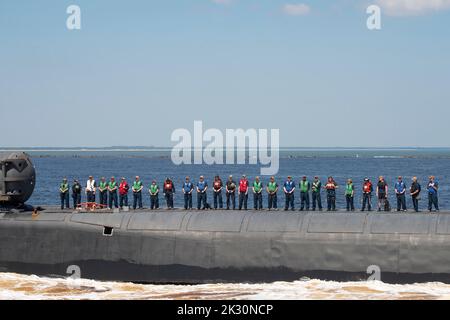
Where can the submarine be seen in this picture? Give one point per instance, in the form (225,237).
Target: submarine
(212,246)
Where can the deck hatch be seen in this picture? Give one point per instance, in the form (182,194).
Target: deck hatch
(336,223)
(156,221)
(391,223)
(275,222)
(215,222)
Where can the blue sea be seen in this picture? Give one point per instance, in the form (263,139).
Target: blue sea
(53,165)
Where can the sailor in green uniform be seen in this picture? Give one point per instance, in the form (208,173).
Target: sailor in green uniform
(349,195)
(257,194)
(112,190)
(103,189)
(272,189)
(304,186)
(154,195)
(137,193)
(64,193)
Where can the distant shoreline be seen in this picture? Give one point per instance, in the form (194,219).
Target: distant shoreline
(148,149)
(284,153)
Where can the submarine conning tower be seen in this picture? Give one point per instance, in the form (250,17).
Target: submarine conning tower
(17,179)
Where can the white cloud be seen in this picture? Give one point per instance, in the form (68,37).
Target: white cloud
(412,7)
(222,1)
(297,9)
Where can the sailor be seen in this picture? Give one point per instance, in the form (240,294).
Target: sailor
(76,193)
(169,190)
(154,195)
(304,186)
(187,189)
(64,193)
(349,195)
(382,193)
(432,189)
(217,188)
(257,188)
(103,191)
(289,188)
(315,192)
(367,195)
(400,193)
(231,192)
(414,191)
(137,192)
(112,190)
(123,193)
(331,187)
(272,189)
(243,192)
(202,187)
(91,188)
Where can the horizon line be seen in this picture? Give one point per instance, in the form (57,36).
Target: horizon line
(144,148)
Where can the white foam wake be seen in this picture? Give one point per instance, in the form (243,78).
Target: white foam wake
(16,286)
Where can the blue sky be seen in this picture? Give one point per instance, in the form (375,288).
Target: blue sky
(137,70)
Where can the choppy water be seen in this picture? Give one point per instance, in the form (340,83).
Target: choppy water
(356,164)
(15,286)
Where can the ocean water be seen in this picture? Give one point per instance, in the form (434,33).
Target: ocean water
(52,165)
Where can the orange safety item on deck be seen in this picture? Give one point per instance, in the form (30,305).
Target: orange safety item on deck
(91,206)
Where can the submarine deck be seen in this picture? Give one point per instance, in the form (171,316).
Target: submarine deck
(221,220)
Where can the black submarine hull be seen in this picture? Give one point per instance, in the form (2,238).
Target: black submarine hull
(177,246)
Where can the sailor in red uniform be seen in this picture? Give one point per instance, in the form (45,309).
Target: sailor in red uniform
(243,192)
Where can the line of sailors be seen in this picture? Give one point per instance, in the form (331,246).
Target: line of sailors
(108,191)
